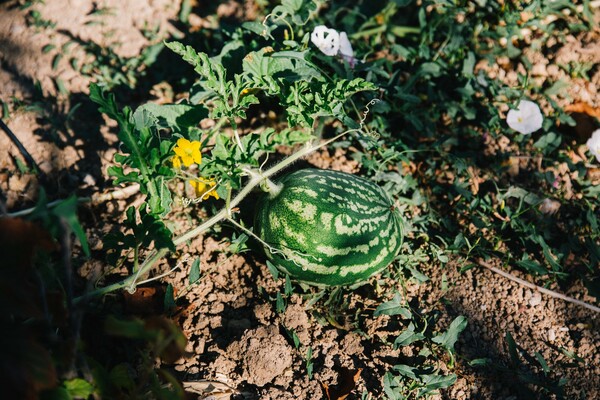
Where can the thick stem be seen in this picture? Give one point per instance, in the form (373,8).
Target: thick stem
(272,188)
(127,282)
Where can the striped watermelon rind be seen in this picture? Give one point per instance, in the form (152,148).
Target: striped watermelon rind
(329,228)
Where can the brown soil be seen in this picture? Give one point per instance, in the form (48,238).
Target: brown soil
(240,345)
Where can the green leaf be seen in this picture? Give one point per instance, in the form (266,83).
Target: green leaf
(238,243)
(449,338)
(177,117)
(512,349)
(273,270)
(391,387)
(120,176)
(67,210)
(127,130)
(548,142)
(557,87)
(407,337)
(292,5)
(434,382)
(120,376)
(169,302)
(480,362)
(288,290)
(184,11)
(280,305)
(165,196)
(548,254)
(295,339)
(418,275)
(393,307)
(48,48)
(531,266)
(79,388)
(195,272)
(542,362)
(298,10)
(309,362)
(519,193)
(255,27)
(469,64)
(189,55)
(406,370)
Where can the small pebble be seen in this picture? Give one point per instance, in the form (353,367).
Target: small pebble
(89,180)
(46,167)
(551,335)
(536,299)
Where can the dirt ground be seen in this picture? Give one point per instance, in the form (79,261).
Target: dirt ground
(238,344)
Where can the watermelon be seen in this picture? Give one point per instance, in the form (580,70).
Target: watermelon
(328,228)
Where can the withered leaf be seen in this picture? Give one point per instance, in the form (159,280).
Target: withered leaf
(209,390)
(145,300)
(583,108)
(585,123)
(347,379)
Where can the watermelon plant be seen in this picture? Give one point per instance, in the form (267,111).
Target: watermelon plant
(163,145)
(407,90)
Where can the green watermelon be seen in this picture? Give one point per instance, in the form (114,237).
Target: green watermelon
(329,228)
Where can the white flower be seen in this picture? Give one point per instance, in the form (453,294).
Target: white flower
(346,48)
(527,118)
(593,144)
(327,40)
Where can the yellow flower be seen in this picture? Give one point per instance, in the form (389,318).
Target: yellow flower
(188,152)
(205,189)
(176,162)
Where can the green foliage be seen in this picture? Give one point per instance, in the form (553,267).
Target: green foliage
(60,217)
(448,339)
(408,382)
(194,272)
(142,148)
(393,307)
(150,229)
(110,70)
(428,118)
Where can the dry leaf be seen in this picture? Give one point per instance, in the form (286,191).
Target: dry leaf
(583,108)
(585,120)
(209,390)
(594,174)
(145,300)
(346,383)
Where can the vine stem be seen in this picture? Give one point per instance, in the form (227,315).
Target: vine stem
(19,145)
(96,198)
(540,289)
(256,177)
